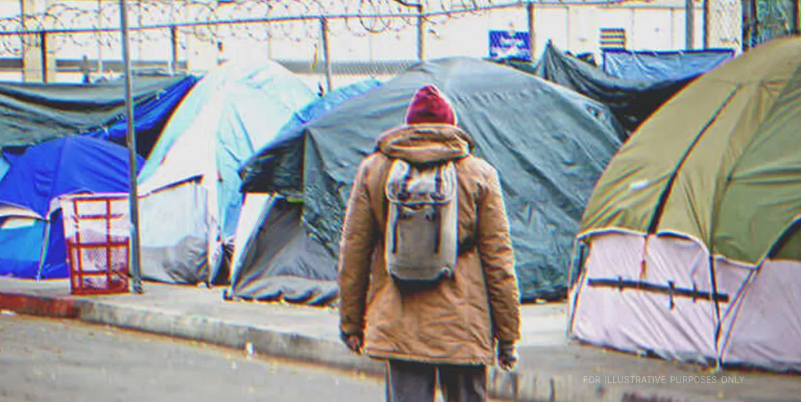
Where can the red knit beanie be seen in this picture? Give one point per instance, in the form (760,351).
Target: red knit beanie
(429,106)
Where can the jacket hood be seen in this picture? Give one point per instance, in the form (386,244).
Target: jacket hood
(424,144)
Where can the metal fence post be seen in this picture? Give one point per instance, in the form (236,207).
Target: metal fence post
(131,137)
(420,32)
(43,52)
(690,24)
(705,22)
(100,60)
(174,50)
(530,18)
(326,50)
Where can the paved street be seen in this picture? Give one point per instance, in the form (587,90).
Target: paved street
(61,360)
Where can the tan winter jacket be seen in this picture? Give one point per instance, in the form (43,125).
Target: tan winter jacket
(457,320)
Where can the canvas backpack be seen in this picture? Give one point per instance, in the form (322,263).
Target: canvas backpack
(421,227)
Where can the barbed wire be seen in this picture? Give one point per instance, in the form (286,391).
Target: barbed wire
(96,20)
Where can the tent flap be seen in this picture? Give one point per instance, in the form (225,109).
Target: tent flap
(281,261)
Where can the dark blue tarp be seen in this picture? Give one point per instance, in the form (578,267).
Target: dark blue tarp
(662,65)
(43,172)
(631,101)
(150,117)
(285,150)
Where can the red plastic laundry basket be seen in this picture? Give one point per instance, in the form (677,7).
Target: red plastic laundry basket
(96,229)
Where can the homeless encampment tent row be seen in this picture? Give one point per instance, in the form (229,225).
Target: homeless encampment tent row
(32,113)
(60,139)
(693,231)
(32,241)
(189,185)
(549,143)
(273,257)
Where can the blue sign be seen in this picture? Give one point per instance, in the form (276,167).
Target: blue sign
(510,44)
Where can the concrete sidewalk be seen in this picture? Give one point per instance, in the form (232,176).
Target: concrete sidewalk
(551,367)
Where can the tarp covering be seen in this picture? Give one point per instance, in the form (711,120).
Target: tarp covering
(278,165)
(280,261)
(662,65)
(720,162)
(150,116)
(630,101)
(230,114)
(176,233)
(49,170)
(31,113)
(549,143)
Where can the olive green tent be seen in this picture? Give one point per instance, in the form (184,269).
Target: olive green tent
(693,230)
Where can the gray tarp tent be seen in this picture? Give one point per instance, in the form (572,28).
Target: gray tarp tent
(549,143)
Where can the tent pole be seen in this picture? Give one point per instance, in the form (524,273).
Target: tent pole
(131,139)
(326,48)
(690,24)
(530,19)
(705,21)
(717,312)
(420,32)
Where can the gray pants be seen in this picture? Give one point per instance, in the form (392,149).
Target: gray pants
(416,382)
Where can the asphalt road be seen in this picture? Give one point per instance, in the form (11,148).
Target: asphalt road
(62,360)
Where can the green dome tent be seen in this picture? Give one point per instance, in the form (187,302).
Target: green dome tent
(693,230)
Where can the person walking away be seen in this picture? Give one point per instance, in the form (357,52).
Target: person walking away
(426,267)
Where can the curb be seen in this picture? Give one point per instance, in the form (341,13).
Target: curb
(40,306)
(511,386)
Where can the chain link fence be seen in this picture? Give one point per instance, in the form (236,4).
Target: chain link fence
(356,39)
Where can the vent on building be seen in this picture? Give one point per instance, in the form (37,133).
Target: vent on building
(612,38)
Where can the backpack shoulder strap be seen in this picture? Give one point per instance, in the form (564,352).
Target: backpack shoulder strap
(386,168)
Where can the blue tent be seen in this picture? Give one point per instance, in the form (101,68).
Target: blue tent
(31,234)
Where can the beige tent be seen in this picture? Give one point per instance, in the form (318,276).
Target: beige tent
(692,235)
